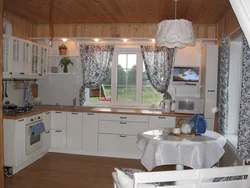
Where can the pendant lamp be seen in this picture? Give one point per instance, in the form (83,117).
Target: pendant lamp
(175,33)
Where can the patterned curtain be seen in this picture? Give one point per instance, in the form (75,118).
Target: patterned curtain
(158,62)
(244,119)
(223,87)
(95,61)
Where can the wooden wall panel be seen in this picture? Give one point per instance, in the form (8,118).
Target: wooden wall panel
(116,30)
(228,24)
(21,27)
(1,111)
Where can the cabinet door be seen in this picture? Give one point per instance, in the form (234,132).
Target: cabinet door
(74,130)
(46,141)
(90,131)
(20,141)
(47,120)
(161,122)
(58,120)
(58,139)
(6,55)
(16,55)
(118,143)
(43,60)
(35,59)
(26,57)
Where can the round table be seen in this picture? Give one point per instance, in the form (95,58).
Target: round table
(199,151)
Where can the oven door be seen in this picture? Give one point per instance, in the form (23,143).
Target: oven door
(33,142)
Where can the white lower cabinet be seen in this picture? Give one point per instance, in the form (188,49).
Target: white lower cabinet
(46,141)
(58,139)
(14,142)
(74,130)
(58,120)
(161,122)
(90,131)
(125,144)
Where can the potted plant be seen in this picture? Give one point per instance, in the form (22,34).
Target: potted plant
(62,49)
(64,64)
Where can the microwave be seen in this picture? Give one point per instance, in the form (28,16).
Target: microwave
(187,105)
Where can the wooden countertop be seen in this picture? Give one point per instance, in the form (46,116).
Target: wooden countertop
(108,110)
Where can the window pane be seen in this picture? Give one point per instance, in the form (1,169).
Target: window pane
(126,93)
(131,60)
(131,76)
(122,60)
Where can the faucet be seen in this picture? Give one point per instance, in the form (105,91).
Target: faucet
(74,101)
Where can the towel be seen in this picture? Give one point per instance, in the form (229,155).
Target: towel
(28,97)
(38,129)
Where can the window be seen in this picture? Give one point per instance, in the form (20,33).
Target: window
(126,83)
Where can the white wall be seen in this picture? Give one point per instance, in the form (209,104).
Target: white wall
(234,85)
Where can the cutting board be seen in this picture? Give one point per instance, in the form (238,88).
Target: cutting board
(34,89)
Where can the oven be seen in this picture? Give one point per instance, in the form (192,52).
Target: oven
(33,142)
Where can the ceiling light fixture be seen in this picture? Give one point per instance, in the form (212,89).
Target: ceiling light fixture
(96,39)
(125,40)
(64,40)
(175,33)
(153,40)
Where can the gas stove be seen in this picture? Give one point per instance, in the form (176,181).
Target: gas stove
(17,110)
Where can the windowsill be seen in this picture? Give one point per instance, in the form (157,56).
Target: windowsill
(232,138)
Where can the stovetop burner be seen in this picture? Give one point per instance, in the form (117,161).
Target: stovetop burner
(17,110)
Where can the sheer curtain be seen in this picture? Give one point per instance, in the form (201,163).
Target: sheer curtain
(223,86)
(244,116)
(158,63)
(95,61)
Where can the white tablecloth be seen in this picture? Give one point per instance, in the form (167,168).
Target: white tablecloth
(160,148)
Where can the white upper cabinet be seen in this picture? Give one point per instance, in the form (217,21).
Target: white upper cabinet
(23,57)
(6,56)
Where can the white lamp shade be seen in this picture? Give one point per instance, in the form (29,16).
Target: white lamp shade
(175,33)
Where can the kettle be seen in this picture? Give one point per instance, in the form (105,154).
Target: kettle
(165,105)
(186,128)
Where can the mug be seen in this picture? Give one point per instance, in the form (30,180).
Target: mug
(177,131)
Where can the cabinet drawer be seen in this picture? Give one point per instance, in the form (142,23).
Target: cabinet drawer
(124,117)
(161,122)
(122,127)
(118,143)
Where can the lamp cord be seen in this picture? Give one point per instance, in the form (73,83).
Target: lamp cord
(175,8)
(51,24)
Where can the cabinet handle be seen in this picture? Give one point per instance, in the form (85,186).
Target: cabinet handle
(38,117)
(31,119)
(74,113)
(160,117)
(90,114)
(123,136)
(40,74)
(22,73)
(58,112)
(123,122)
(21,120)
(123,117)
(47,112)
(58,131)
(10,72)
(47,132)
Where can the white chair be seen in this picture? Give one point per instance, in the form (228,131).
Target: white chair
(201,178)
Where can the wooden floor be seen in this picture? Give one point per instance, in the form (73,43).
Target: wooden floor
(72,171)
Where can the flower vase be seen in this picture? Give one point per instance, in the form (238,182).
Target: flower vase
(65,69)
(62,51)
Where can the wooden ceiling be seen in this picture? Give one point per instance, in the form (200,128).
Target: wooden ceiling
(118,11)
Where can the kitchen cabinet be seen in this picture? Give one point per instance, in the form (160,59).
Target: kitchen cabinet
(43,60)
(58,120)
(74,130)
(90,131)
(16,55)
(7,70)
(118,133)
(47,134)
(14,142)
(161,122)
(58,139)
(58,129)
(35,59)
